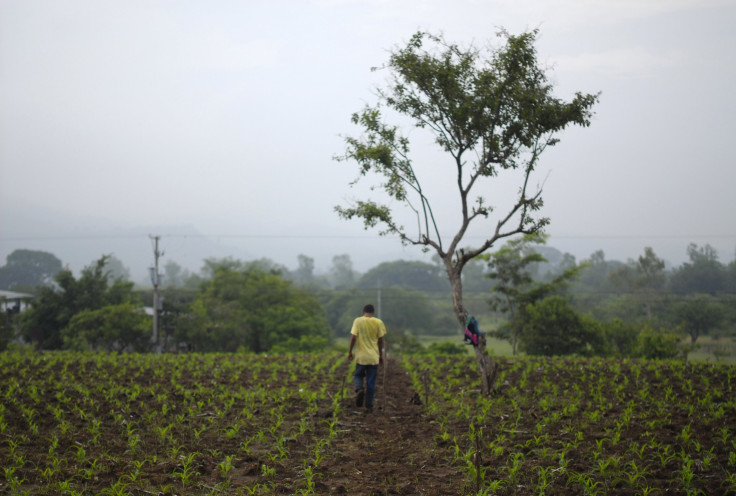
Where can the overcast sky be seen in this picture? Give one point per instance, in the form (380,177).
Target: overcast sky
(224,116)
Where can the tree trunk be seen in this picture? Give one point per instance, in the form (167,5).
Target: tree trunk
(486,365)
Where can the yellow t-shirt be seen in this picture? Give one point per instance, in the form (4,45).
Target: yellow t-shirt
(367,331)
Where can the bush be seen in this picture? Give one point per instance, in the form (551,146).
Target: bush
(661,343)
(552,327)
(6,332)
(446,348)
(400,341)
(302,344)
(112,328)
(620,337)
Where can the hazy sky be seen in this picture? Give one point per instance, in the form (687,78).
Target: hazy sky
(224,116)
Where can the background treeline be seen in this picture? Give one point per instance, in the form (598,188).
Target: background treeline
(536,298)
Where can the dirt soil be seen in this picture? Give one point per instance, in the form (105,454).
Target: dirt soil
(391,450)
(397,449)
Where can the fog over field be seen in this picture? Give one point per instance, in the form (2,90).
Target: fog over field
(214,125)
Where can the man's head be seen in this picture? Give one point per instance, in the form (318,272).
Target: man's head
(368,309)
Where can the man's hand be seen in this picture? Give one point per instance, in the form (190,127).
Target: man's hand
(350,348)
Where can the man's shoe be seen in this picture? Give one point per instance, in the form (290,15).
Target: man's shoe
(360,394)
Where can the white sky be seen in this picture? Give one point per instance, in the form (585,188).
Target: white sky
(224,116)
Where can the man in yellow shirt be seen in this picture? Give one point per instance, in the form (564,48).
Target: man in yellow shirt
(366,337)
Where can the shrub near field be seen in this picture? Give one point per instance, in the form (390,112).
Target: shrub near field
(586,426)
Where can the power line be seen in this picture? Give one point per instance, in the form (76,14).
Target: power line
(139,236)
(643,236)
(350,236)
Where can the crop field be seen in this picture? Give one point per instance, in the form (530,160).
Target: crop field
(130,424)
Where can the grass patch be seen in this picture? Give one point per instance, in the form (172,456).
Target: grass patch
(710,349)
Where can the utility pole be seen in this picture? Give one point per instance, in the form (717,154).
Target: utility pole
(155,280)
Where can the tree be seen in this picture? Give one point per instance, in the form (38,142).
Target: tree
(116,270)
(55,306)
(409,310)
(597,276)
(175,308)
(28,268)
(621,338)
(515,290)
(492,113)
(175,275)
(644,276)
(703,274)
(509,267)
(339,309)
(552,327)
(658,344)
(731,277)
(555,262)
(254,310)
(119,327)
(698,315)
(405,309)
(475,277)
(304,274)
(341,272)
(6,331)
(407,274)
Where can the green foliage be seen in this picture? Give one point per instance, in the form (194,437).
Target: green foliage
(6,331)
(552,327)
(414,311)
(622,297)
(584,425)
(515,289)
(135,423)
(28,268)
(698,315)
(703,274)
(120,327)
(304,274)
(509,266)
(342,274)
(341,307)
(644,277)
(659,344)
(627,307)
(416,275)
(302,344)
(55,306)
(447,348)
(116,270)
(620,338)
(475,278)
(402,342)
(489,112)
(249,308)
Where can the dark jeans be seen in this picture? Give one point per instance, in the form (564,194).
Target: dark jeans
(369,372)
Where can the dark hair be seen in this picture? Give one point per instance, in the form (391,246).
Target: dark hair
(369,309)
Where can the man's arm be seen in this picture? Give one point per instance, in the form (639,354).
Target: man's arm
(350,350)
(380,350)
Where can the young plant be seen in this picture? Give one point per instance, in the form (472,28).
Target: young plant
(186,471)
(226,465)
